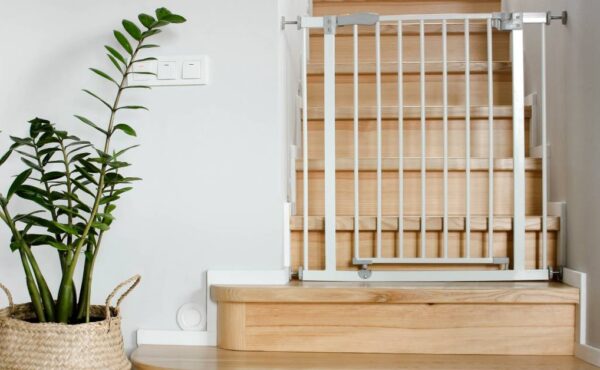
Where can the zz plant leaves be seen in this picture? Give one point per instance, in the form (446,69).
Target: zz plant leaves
(73,183)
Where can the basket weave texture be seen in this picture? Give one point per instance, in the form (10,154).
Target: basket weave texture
(28,345)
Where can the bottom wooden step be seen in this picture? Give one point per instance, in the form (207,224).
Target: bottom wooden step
(427,318)
(152,357)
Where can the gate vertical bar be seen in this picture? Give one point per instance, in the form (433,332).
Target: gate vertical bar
(356,151)
(445,123)
(467,143)
(305,148)
(379,144)
(518,84)
(400,252)
(490,72)
(544,152)
(423,253)
(329,142)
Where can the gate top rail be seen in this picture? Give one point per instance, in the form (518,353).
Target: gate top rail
(371,18)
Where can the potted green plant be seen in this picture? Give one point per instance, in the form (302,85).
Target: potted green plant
(74,186)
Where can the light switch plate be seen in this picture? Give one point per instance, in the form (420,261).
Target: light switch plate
(177,70)
(167,70)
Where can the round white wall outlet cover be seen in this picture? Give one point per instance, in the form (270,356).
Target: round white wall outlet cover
(191,317)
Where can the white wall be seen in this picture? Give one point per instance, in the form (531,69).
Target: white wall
(574,130)
(212,158)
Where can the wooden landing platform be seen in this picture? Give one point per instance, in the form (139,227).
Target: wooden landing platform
(211,358)
(491,318)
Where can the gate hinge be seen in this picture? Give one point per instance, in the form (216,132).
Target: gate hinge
(507,21)
(555,274)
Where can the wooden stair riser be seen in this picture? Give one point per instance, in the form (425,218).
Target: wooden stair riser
(433,90)
(503,193)
(411,47)
(321,8)
(456,248)
(503,138)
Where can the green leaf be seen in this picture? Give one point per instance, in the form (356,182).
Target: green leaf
(173,18)
(105,216)
(66,228)
(132,29)
(5,157)
(100,226)
(115,63)
(29,163)
(18,182)
(151,32)
(104,75)
(34,197)
(146,20)
(26,154)
(132,107)
(19,218)
(123,41)
(99,98)
(52,176)
(109,199)
(116,54)
(121,191)
(17,140)
(123,151)
(149,46)
(125,128)
(90,123)
(144,60)
(59,246)
(137,87)
(161,13)
(82,187)
(86,175)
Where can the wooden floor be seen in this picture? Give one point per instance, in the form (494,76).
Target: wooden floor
(211,358)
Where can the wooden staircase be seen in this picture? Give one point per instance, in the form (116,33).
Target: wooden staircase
(491,318)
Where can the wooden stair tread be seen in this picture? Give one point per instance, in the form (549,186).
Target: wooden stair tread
(372,292)
(156,357)
(414,112)
(414,164)
(413,223)
(411,67)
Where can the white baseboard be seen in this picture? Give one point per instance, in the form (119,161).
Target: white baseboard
(209,337)
(173,337)
(579,280)
(588,354)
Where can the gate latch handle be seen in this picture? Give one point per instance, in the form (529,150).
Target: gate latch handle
(361,19)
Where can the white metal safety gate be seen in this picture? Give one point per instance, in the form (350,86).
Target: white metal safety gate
(515,267)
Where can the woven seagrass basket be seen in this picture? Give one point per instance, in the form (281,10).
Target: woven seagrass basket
(28,345)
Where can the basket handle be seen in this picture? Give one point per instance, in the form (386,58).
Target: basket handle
(11,305)
(132,282)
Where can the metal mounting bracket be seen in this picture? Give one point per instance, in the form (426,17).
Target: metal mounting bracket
(329,24)
(507,21)
(364,272)
(285,22)
(563,17)
(555,274)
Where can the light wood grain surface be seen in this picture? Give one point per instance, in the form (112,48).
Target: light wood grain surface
(405,292)
(210,358)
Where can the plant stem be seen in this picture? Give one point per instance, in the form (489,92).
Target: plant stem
(34,294)
(25,252)
(65,293)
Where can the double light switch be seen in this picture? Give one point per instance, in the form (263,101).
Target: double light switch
(171,71)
